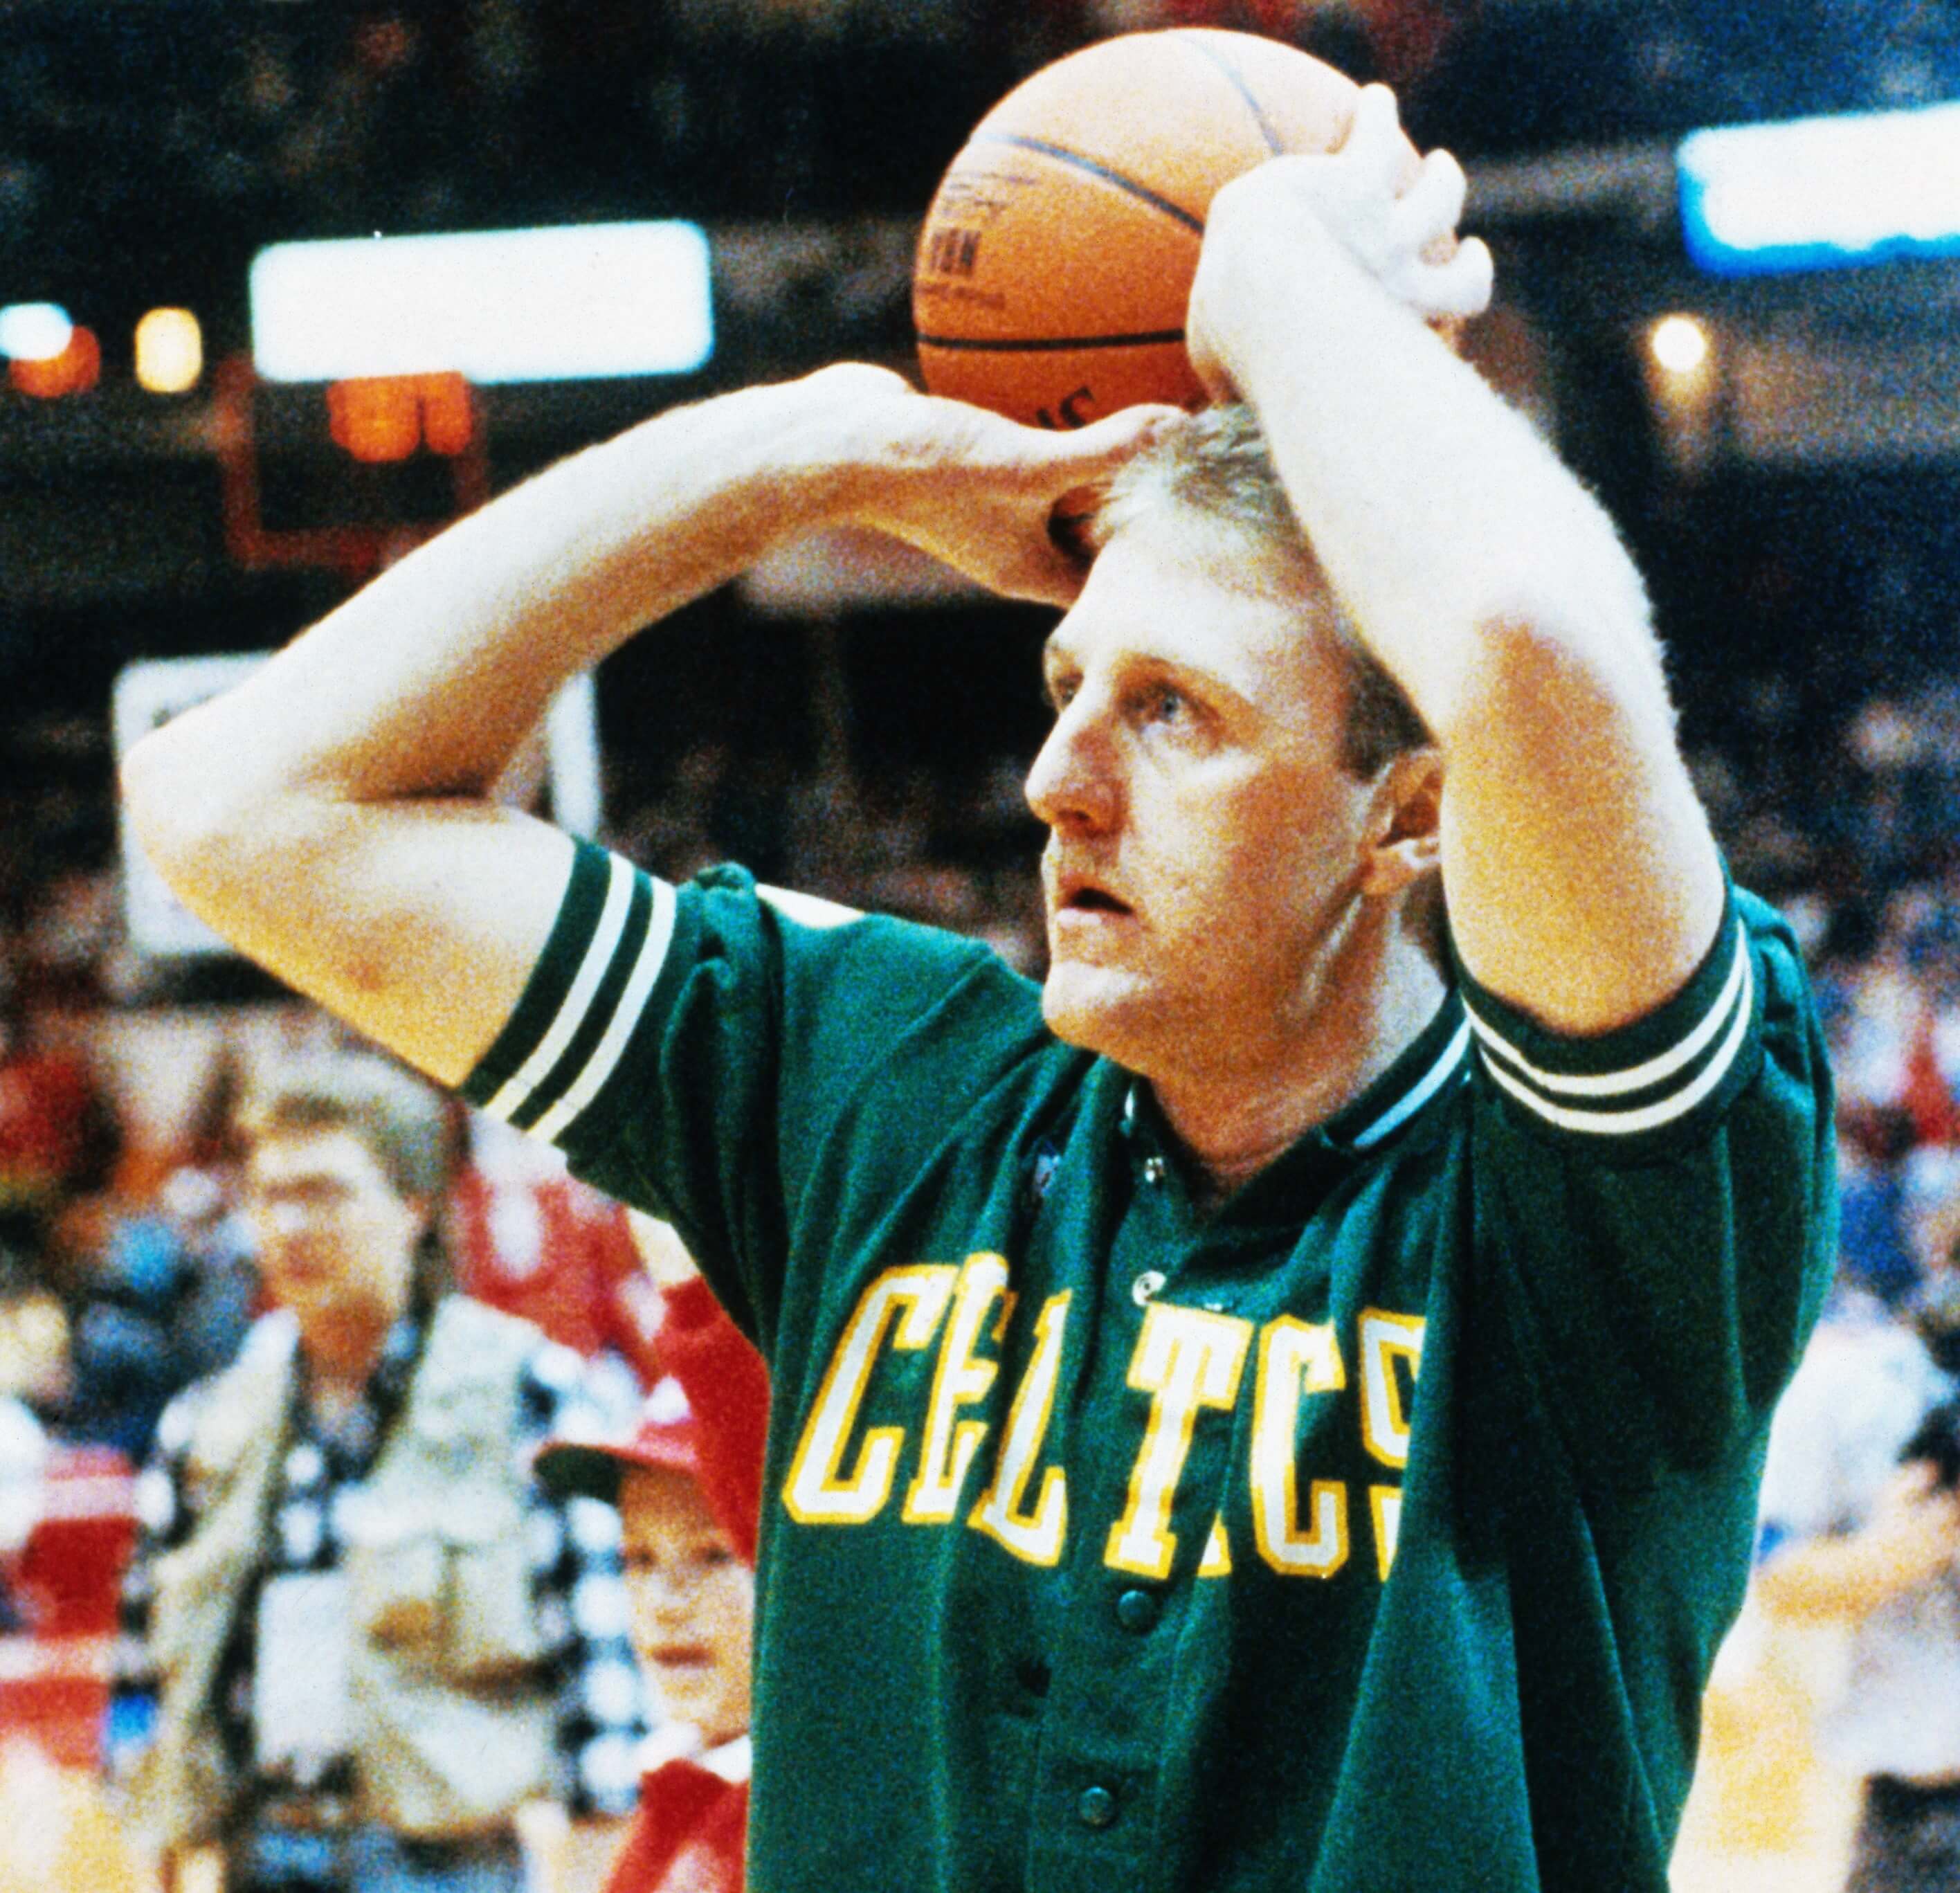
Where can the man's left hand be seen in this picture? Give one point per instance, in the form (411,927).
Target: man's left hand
(1392,213)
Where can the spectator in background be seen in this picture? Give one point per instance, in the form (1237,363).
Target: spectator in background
(1874,1247)
(58,1131)
(693,1601)
(367,1643)
(167,1298)
(721,1375)
(1861,1527)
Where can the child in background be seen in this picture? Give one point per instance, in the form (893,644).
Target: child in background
(693,1600)
(688,1484)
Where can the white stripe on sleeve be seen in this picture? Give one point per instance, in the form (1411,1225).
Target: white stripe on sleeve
(1625,1123)
(511,1095)
(605,1055)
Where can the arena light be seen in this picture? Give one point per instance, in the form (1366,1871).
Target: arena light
(1679,344)
(34,331)
(1822,193)
(573,302)
(169,352)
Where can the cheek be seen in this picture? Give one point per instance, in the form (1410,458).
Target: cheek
(1265,849)
(641,1614)
(729,1606)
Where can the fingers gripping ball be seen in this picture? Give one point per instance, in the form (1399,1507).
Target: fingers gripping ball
(1057,258)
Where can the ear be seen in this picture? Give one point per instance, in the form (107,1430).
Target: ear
(1404,841)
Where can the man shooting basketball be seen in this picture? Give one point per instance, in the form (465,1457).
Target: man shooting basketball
(1281,1406)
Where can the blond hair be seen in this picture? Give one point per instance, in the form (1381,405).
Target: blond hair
(1217,465)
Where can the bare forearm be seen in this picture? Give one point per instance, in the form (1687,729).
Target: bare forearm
(331,819)
(1435,509)
(1583,883)
(427,680)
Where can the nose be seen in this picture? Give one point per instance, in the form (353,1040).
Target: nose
(654,1606)
(1073,783)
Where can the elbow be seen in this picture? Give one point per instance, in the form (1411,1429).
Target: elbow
(150,800)
(184,807)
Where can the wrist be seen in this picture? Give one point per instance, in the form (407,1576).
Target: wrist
(1313,299)
(835,454)
(753,466)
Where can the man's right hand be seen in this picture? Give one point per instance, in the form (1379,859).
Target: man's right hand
(968,486)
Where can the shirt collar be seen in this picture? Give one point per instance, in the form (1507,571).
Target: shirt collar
(1434,1062)
(1429,1068)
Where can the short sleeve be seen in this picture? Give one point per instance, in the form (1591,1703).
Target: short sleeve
(1657,1206)
(691,1048)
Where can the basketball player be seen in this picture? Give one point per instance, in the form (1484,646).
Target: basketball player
(1280,1405)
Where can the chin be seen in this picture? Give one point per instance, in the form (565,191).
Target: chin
(1096,1009)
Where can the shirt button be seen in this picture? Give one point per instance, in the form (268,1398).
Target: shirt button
(1146,1286)
(1154,1169)
(1096,1809)
(1137,1610)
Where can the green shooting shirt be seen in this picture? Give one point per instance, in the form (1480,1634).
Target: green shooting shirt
(1375,1530)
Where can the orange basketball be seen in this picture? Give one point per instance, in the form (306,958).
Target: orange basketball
(1056,260)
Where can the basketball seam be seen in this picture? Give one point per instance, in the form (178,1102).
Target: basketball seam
(1237,81)
(1148,339)
(1064,155)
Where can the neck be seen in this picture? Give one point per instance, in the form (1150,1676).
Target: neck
(343,1345)
(1237,1112)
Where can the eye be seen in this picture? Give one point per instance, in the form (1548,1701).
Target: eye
(1162,703)
(1058,692)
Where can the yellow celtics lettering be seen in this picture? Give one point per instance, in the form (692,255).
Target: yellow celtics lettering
(1296,1358)
(1387,1339)
(817,1490)
(960,1380)
(1190,1361)
(1386,1502)
(1034,1533)
(1186,1358)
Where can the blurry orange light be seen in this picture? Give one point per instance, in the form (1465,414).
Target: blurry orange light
(382,418)
(169,352)
(449,419)
(75,370)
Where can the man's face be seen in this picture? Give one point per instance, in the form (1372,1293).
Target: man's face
(1204,840)
(334,1236)
(692,1601)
